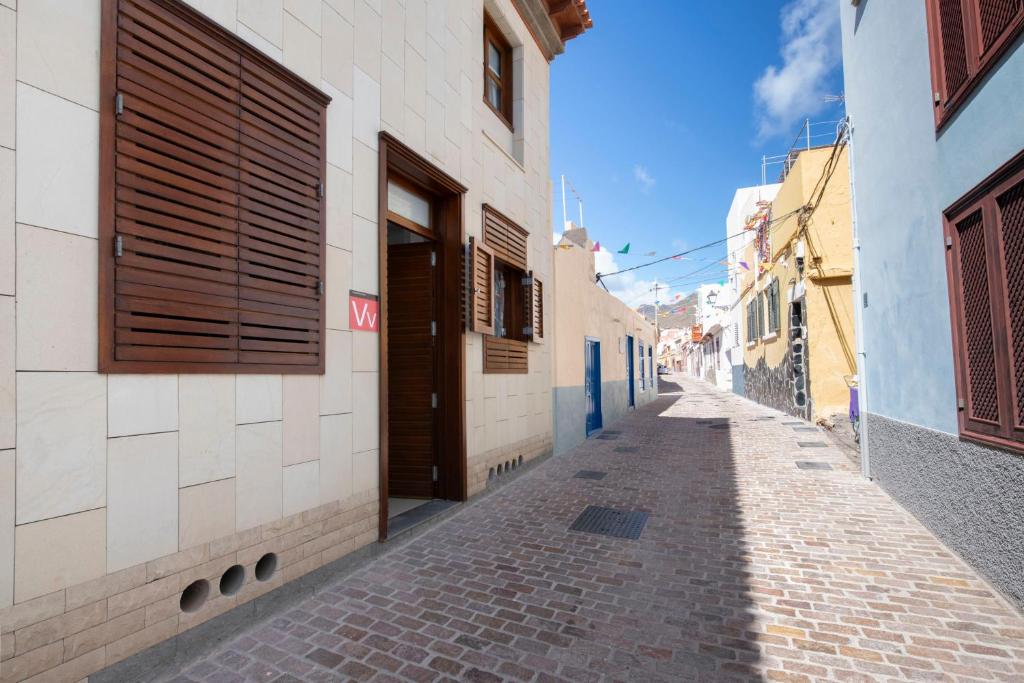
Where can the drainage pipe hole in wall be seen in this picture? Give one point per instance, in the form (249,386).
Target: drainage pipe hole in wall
(231,581)
(266,567)
(193,597)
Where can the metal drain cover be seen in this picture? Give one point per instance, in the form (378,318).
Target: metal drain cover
(627,449)
(610,522)
(809,465)
(720,426)
(611,431)
(794,424)
(805,429)
(590,474)
(811,444)
(607,437)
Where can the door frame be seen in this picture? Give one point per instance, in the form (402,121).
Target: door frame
(630,372)
(592,360)
(448,195)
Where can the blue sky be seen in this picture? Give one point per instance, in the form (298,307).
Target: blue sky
(659,114)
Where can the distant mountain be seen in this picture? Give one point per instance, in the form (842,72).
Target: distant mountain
(684,319)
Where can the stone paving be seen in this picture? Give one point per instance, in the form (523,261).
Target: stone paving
(749,568)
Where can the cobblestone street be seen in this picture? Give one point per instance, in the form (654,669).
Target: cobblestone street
(749,568)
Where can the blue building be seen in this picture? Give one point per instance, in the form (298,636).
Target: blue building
(935,94)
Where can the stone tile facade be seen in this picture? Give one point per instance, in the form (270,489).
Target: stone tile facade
(105,477)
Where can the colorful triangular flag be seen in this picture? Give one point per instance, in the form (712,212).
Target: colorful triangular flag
(651,253)
(624,250)
(597,246)
(744,264)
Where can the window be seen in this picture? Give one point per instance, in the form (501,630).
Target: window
(985,234)
(967,37)
(211,200)
(643,372)
(497,72)
(759,314)
(751,323)
(772,293)
(507,299)
(650,363)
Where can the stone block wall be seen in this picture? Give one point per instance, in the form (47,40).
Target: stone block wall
(104,476)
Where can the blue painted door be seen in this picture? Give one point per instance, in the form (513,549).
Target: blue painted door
(592,384)
(630,378)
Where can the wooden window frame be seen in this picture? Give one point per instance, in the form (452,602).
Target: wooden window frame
(1008,432)
(506,244)
(111,104)
(980,61)
(506,81)
(448,195)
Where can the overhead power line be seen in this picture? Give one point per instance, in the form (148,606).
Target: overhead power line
(695,249)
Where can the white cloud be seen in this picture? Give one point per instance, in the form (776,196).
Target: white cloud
(810,51)
(643,177)
(627,287)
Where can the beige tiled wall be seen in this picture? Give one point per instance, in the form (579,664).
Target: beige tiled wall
(104,476)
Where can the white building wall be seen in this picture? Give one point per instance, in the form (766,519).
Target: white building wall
(744,204)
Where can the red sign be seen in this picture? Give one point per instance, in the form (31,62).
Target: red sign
(696,333)
(363,312)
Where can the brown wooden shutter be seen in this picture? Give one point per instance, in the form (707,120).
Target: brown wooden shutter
(1010,208)
(535,308)
(955,63)
(280,232)
(211,161)
(538,310)
(176,174)
(508,240)
(979,349)
(482,305)
(967,39)
(995,17)
(508,356)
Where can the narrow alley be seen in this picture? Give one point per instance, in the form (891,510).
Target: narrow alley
(753,565)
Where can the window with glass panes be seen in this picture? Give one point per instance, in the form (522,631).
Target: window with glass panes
(497,72)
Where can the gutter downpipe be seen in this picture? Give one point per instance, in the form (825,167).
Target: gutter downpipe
(858,307)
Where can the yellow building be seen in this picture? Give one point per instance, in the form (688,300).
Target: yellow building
(797,296)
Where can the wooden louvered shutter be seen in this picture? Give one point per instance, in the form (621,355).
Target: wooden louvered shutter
(533,301)
(215,233)
(482,304)
(176,178)
(538,309)
(281,257)
(508,240)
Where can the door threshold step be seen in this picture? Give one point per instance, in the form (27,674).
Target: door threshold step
(418,515)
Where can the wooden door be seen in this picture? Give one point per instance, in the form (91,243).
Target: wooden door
(411,370)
